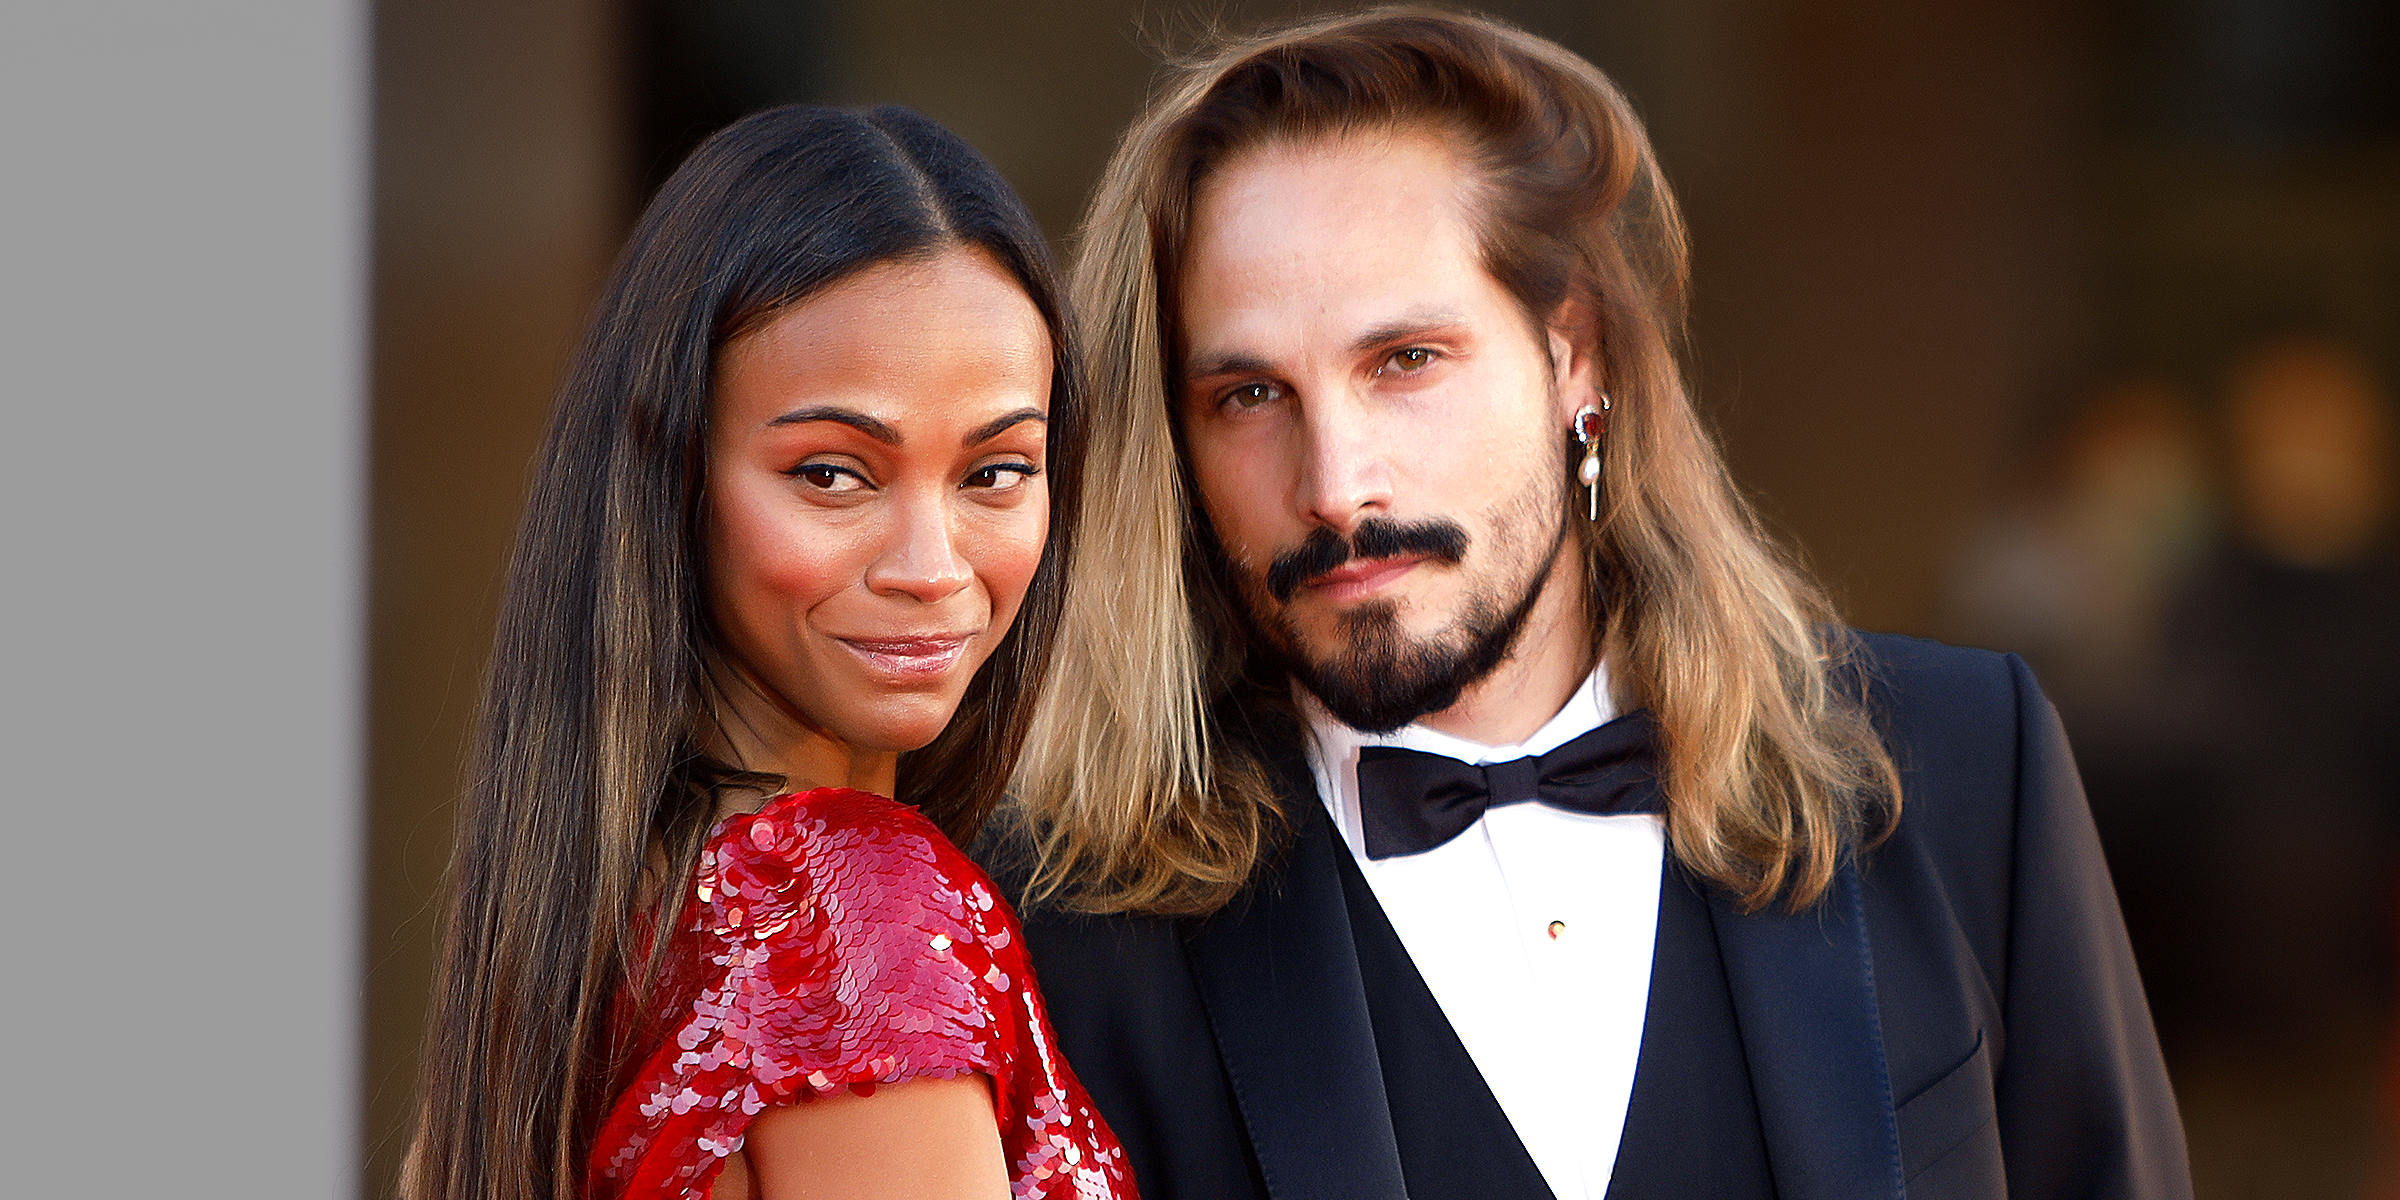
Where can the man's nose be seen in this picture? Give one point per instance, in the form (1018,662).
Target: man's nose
(1345,474)
(920,559)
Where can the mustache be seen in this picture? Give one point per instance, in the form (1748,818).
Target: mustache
(1376,537)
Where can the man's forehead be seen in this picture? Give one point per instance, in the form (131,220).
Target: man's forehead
(1326,239)
(1286,197)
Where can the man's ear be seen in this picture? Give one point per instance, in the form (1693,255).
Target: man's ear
(1575,369)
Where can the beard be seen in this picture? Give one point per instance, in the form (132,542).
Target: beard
(1385,679)
(1380,677)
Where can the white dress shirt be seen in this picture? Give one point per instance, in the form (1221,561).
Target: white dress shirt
(1533,929)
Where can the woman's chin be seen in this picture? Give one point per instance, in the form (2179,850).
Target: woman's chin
(902,724)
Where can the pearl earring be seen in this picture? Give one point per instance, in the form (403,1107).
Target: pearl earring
(1590,424)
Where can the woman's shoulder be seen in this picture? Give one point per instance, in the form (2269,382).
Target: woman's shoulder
(843,944)
(856,940)
(839,881)
(835,842)
(786,824)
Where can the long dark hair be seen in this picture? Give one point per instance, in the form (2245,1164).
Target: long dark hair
(589,794)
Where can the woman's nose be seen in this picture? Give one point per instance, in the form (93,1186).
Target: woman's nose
(921,559)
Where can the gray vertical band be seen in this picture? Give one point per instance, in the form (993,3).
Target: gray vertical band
(182,381)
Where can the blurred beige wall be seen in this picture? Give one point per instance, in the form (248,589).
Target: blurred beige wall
(498,203)
(1891,266)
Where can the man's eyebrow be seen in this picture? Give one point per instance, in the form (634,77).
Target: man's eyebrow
(1419,324)
(1407,329)
(842,416)
(995,427)
(1226,364)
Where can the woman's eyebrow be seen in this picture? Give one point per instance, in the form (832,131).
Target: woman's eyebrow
(993,428)
(842,416)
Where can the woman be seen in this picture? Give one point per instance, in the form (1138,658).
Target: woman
(795,544)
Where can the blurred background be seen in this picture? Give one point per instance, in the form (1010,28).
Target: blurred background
(2060,326)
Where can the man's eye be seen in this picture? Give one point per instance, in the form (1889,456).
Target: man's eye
(1415,358)
(828,477)
(1002,476)
(1251,395)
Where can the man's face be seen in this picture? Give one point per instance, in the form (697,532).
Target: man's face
(1376,428)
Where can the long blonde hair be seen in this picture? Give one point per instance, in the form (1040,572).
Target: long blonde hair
(1143,788)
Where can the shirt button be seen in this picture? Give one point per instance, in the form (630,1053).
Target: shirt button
(1557,928)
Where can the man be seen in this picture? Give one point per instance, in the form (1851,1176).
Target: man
(1458,797)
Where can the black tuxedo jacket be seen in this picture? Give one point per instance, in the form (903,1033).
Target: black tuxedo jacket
(1959,1017)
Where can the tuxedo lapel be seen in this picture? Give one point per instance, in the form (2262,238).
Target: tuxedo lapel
(1278,972)
(1803,989)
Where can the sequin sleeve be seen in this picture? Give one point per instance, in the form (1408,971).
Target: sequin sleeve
(847,945)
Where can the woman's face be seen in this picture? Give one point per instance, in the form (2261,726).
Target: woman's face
(876,504)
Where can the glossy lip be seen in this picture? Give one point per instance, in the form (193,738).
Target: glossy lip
(1360,578)
(914,658)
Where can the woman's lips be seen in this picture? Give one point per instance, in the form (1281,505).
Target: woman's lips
(908,657)
(1360,578)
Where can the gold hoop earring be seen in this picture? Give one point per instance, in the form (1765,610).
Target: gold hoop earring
(1591,424)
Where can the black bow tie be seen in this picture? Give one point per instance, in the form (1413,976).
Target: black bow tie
(1412,801)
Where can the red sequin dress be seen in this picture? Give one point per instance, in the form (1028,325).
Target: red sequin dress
(842,942)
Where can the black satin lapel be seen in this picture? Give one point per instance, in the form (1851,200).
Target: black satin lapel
(1279,974)
(1455,1142)
(1804,994)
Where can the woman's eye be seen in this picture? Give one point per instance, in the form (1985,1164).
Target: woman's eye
(1251,395)
(1415,358)
(1002,476)
(828,477)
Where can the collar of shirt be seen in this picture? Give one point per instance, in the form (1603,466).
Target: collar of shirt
(1333,747)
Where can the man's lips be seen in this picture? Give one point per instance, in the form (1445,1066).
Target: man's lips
(909,657)
(1360,578)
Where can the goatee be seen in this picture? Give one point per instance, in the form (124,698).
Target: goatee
(1384,679)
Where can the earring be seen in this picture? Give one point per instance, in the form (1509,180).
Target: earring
(1590,424)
